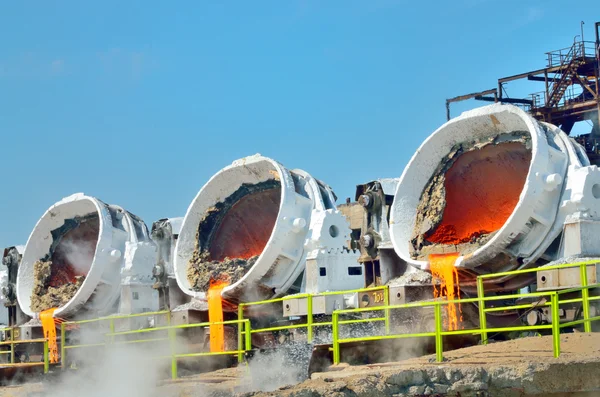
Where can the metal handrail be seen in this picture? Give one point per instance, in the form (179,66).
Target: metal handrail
(111,324)
(554,304)
(12,342)
(245,332)
(110,337)
(584,48)
(310,324)
(171,332)
(117,317)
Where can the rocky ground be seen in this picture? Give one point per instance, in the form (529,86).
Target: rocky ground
(523,367)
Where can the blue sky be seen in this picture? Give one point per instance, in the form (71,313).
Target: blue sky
(140,103)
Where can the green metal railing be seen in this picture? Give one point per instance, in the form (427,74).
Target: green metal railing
(111,324)
(585,298)
(310,324)
(439,332)
(112,335)
(12,342)
(171,329)
(549,299)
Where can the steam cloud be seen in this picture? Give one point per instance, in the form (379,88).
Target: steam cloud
(78,252)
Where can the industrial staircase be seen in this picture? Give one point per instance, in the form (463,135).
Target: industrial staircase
(568,69)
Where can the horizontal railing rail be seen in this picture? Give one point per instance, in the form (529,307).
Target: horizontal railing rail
(12,343)
(548,298)
(309,325)
(171,338)
(69,325)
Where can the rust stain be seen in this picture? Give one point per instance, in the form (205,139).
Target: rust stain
(495,120)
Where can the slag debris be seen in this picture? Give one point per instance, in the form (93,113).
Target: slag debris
(45,296)
(201,269)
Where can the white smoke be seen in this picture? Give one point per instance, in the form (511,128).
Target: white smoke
(79,253)
(123,371)
(116,369)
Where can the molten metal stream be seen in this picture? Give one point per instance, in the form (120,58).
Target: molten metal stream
(215,315)
(49,328)
(442,268)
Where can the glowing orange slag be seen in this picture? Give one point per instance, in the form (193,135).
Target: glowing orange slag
(215,315)
(482,188)
(49,328)
(247,226)
(442,268)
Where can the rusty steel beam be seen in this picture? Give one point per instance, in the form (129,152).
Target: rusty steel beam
(506,100)
(585,84)
(519,76)
(472,95)
(543,79)
(469,96)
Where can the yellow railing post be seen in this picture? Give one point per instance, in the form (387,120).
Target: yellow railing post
(481,304)
(555,324)
(63,347)
(386,302)
(309,318)
(439,347)
(173,353)
(336,345)
(12,345)
(46,361)
(248,336)
(587,326)
(169,317)
(111,327)
(240,332)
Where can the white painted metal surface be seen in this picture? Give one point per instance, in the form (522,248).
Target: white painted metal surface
(560,183)
(124,254)
(3,298)
(166,236)
(307,222)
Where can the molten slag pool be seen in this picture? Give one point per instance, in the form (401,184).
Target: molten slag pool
(470,196)
(233,234)
(482,189)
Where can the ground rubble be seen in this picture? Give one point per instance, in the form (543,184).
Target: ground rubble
(496,370)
